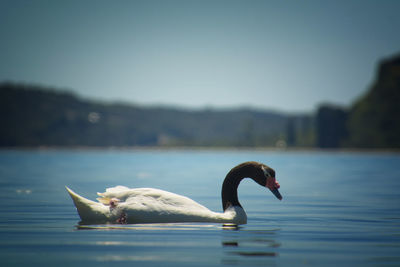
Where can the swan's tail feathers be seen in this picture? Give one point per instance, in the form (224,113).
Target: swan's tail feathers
(87,209)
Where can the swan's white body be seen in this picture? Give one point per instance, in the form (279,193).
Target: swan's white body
(148,205)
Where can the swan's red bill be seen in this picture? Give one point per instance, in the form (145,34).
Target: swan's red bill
(273,185)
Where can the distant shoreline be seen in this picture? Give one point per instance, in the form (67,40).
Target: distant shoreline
(202,148)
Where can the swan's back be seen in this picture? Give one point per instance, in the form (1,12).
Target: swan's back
(151,199)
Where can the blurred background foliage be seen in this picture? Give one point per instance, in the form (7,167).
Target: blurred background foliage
(373,121)
(34,116)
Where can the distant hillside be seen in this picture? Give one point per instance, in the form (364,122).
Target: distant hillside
(373,121)
(34,116)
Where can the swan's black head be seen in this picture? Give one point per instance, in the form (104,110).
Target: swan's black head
(270,181)
(265,176)
(260,173)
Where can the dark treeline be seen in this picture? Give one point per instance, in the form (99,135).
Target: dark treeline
(373,121)
(35,116)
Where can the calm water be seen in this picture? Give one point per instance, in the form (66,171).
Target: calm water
(337,209)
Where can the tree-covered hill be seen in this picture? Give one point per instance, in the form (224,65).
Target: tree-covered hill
(373,121)
(36,116)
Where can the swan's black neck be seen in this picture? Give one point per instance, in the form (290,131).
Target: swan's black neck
(233,179)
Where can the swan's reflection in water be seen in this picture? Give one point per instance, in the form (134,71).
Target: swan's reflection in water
(149,227)
(249,246)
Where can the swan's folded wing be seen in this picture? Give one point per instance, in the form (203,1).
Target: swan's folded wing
(148,205)
(150,198)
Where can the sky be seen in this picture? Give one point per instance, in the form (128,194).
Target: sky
(279,55)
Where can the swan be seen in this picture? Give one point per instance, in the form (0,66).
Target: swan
(123,205)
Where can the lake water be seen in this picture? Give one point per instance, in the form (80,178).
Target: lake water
(337,209)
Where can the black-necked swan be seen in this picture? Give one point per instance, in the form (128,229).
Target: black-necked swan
(147,205)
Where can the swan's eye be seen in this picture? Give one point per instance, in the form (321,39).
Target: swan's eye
(266,172)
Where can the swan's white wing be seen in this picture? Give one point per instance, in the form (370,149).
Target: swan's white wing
(162,200)
(154,205)
(150,198)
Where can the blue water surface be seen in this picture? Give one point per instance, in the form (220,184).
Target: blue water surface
(338,208)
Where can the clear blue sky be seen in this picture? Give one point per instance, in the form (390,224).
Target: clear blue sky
(284,55)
